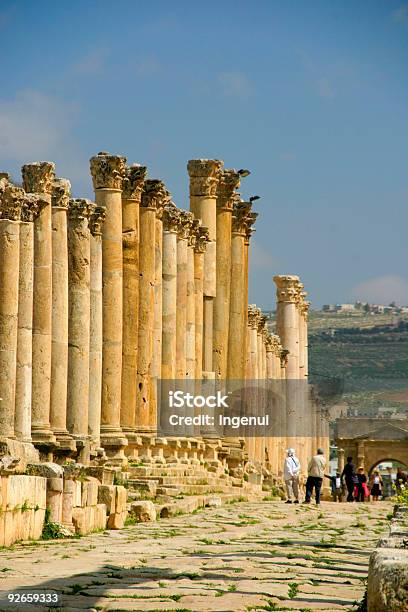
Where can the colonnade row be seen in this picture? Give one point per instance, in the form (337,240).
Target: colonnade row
(99,300)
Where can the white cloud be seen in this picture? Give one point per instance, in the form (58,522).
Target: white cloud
(401,14)
(383,290)
(92,64)
(259,257)
(235,84)
(324,88)
(32,124)
(35,126)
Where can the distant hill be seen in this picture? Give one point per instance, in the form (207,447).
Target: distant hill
(368,353)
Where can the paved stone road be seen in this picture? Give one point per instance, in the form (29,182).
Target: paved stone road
(240,557)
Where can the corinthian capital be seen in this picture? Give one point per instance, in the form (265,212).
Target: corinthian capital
(226,191)
(171,218)
(38,177)
(107,170)
(155,195)
(202,238)
(204,176)
(273,344)
(186,224)
(133,180)
(254,314)
(192,237)
(287,288)
(80,209)
(11,202)
(96,220)
(61,191)
(32,206)
(262,329)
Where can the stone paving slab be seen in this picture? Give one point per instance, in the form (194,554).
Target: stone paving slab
(240,557)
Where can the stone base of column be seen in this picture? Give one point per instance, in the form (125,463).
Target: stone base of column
(44,437)
(114,444)
(65,441)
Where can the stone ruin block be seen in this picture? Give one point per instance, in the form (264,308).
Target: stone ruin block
(121,499)
(107,496)
(23,502)
(89,518)
(89,489)
(143,511)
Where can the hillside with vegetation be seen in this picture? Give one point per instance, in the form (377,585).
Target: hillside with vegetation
(360,357)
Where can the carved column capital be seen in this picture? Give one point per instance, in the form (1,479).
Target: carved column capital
(204,176)
(203,237)
(80,209)
(96,220)
(262,323)
(254,314)
(287,288)
(61,191)
(273,344)
(249,227)
(226,191)
(107,171)
(192,237)
(155,195)
(243,219)
(186,223)
(171,218)
(11,202)
(38,177)
(134,177)
(32,206)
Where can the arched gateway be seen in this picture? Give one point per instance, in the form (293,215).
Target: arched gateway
(372,440)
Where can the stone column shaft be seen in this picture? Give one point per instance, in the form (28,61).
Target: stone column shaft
(107,174)
(186,220)
(190,308)
(38,178)
(11,201)
(204,176)
(79,319)
(95,325)
(131,196)
(199,249)
(59,353)
(169,283)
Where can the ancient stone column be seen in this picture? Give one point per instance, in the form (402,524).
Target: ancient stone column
(11,202)
(252,376)
(155,389)
(226,195)
(199,250)
(238,294)
(287,326)
(38,178)
(153,196)
(131,196)
(79,256)
(186,221)
(305,418)
(190,307)
(171,219)
(107,174)
(61,189)
(32,206)
(204,174)
(96,221)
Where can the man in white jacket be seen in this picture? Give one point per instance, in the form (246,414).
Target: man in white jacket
(291,472)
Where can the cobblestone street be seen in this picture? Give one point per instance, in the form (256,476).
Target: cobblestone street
(239,557)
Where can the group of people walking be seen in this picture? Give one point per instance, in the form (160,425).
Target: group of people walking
(351,485)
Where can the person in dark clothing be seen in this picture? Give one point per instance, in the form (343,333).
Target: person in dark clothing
(362,479)
(348,475)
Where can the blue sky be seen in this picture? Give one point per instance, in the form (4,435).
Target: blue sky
(311,96)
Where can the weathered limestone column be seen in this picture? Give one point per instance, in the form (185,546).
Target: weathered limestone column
(11,202)
(249,230)
(252,375)
(96,221)
(32,206)
(107,175)
(204,174)
(304,403)
(38,178)
(190,308)
(186,221)
(287,326)
(155,377)
(79,256)
(61,190)
(226,195)
(260,408)
(131,195)
(153,196)
(171,219)
(237,351)
(199,250)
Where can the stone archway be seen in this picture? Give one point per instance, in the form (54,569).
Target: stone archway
(370,440)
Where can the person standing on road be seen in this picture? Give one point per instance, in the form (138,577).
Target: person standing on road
(315,476)
(376,485)
(291,473)
(348,474)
